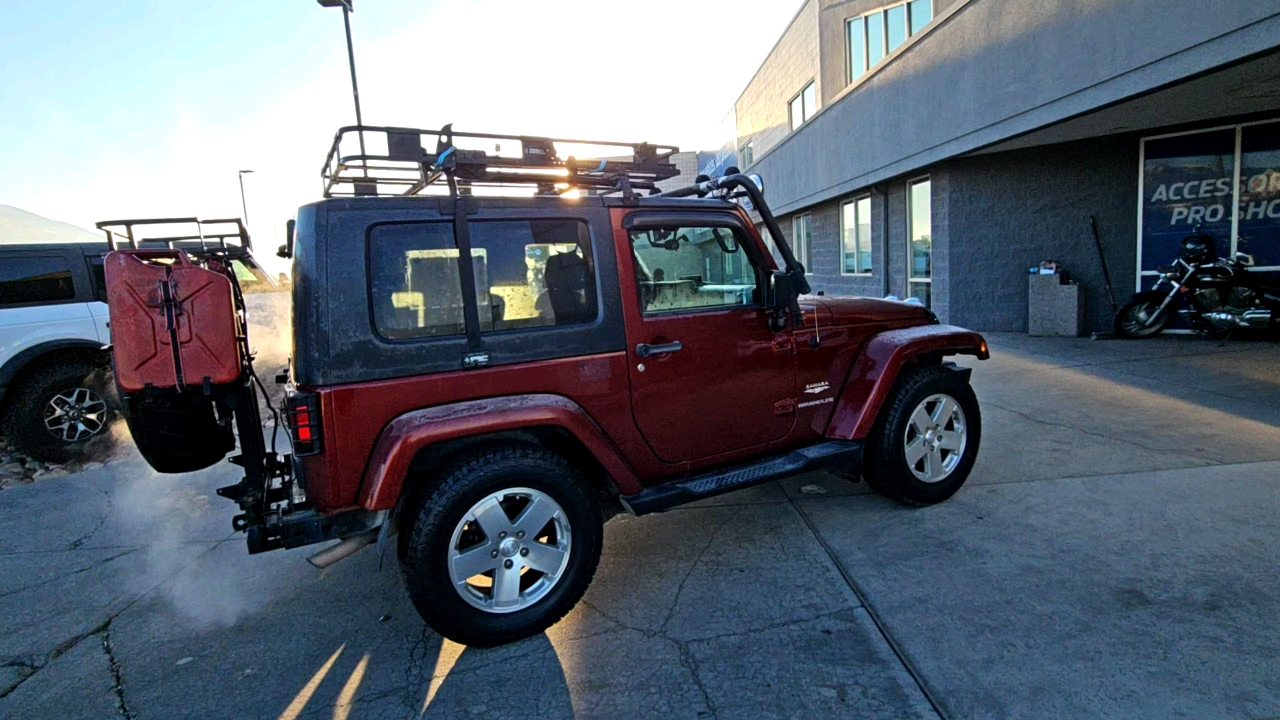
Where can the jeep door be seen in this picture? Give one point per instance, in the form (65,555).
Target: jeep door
(708,375)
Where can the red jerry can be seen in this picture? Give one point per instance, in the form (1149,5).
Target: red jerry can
(173,323)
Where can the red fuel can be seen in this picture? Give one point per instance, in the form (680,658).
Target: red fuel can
(173,323)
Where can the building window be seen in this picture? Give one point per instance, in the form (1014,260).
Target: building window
(895,23)
(748,153)
(855,229)
(873,36)
(856,31)
(920,248)
(875,39)
(921,12)
(804,105)
(801,242)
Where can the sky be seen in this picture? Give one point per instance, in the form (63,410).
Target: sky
(137,108)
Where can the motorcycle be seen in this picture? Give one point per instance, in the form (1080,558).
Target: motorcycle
(1215,295)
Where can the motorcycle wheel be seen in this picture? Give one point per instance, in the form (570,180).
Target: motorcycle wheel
(1131,320)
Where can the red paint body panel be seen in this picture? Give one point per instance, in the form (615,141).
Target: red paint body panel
(877,367)
(353,416)
(205,318)
(717,395)
(413,431)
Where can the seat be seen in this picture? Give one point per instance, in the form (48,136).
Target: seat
(567,288)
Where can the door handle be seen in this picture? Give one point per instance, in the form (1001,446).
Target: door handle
(644,350)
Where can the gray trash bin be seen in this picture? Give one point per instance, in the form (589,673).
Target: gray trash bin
(1054,309)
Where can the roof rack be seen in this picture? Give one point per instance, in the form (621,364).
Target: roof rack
(400,163)
(210,235)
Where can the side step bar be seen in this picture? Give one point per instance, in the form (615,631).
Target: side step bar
(845,453)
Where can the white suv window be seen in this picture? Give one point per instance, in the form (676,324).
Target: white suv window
(30,280)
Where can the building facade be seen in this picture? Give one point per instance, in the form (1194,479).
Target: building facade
(938,149)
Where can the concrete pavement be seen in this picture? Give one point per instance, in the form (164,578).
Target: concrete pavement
(1113,555)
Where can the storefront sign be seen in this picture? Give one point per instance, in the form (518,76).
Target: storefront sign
(1191,181)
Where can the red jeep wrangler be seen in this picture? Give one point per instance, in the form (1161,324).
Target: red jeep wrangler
(489,375)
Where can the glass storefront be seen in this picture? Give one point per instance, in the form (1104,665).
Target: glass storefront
(1225,181)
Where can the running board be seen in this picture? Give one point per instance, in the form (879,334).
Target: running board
(815,457)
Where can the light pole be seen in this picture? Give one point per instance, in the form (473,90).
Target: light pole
(243,207)
(351,59)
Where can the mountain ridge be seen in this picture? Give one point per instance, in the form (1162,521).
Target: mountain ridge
(18,226)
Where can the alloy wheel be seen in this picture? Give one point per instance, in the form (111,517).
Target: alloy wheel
(509,550)
(935,438)
(76,414)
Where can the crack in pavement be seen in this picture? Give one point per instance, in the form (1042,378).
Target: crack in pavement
(86,568)
(75,544)
(117,681)
(37,664)
(694,566)
(898,651)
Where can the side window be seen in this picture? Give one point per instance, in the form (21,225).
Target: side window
(533,273)
(35,280)
(97,273)
(690,268)
(413,273)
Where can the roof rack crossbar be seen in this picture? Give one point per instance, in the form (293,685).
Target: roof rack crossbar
(410,168)
(113,228)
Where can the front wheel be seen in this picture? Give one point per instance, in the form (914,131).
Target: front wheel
(502,545)
(1142,317)
(926,439)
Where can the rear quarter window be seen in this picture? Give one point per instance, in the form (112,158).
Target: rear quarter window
(29,280)
(528,274)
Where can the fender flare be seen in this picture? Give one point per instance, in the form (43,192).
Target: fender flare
(15,364)
(876,369)
(404,436)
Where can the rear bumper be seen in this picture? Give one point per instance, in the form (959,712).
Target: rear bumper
(308,527)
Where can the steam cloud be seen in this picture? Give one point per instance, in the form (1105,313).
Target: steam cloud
(177,518)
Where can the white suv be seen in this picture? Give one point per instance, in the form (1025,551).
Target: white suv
(56,393)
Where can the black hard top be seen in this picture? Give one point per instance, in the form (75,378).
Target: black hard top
(88,248)
(444,203)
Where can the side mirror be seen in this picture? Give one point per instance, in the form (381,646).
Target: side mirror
(782,299)
(286,250)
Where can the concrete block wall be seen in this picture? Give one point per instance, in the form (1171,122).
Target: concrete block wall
(762,109)
(1008,211)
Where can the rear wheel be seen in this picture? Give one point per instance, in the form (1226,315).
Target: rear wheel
(502,545)
(60,412)
(926,439)
(1138,318)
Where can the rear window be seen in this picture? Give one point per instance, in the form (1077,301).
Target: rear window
(35,280)
(529,273)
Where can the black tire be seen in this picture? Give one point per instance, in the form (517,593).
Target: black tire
(885,465)
(1129,318)
(440,508)
(30,405)
(177,433)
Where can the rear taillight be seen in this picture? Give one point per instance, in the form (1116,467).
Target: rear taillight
(302,411)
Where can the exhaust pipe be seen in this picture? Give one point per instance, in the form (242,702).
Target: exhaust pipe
(344,549)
